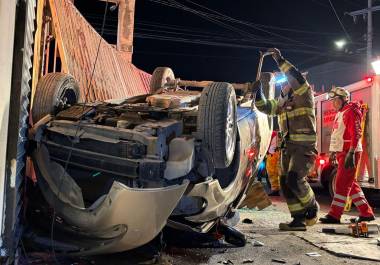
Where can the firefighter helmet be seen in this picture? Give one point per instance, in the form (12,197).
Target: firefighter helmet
(339,92)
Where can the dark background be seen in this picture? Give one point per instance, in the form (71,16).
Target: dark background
(202,47)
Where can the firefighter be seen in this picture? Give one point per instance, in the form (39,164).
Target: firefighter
(272,165)
(346,148)
(295,109)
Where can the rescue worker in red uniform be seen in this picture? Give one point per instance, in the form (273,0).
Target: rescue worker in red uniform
(346,148)
(296,112)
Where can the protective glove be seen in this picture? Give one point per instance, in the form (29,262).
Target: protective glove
(257,90)
(349,161)
(332,158)
(276,54)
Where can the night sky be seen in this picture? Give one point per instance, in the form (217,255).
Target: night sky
(198,43)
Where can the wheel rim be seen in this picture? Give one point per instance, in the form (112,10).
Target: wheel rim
(68,96)
(230,129)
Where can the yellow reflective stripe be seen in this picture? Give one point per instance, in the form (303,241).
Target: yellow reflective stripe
(260,103)
(302,89)
(273,106)
(295,207)
(306,199)
(302,138)
(285,66)
(300,112)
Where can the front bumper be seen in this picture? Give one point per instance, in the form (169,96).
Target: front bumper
(140,213)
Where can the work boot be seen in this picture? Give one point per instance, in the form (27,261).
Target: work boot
(362,219)
(311,215)
(296,225)
(328,219)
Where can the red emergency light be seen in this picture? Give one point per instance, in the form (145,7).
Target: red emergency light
(369,79)
(251,153)
(322,161)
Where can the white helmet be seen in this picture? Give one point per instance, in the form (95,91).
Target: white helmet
(339,92)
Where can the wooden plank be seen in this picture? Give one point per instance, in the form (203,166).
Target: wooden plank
(55,56)
(58,36)
(37,48)
(256,197)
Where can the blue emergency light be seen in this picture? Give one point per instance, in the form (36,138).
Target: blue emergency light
(280,79)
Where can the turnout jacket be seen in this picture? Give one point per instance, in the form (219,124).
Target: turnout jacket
(295,110)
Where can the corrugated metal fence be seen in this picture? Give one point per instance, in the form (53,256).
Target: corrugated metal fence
(114,77)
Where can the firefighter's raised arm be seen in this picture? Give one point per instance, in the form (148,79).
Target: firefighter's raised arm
(293,75)
(267,106)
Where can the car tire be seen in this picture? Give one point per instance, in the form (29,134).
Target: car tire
(159,78)
(217,122)
(53,90)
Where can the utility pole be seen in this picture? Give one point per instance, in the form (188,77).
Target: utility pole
(367,13)
(125,27)
(369,35)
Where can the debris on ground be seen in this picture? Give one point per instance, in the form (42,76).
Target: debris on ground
(247,221)
(257,243)
(279,261)
(222,251)
(226,262)
(246,261)
(313,254)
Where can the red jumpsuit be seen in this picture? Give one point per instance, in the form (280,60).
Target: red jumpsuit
(346,135)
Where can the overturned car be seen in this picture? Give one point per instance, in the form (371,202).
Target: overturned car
(117,172)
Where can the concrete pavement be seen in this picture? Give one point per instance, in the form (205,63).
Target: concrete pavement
(288,247)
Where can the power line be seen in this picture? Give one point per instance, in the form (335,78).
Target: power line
(320,4)
(229,45)
(206,17)
(195,55)
(353,3)
(228,18)
(219,16)
(340,22)
(308,32)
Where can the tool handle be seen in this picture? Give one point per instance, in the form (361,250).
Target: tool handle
(328,230)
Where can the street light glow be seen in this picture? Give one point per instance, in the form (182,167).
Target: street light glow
(376,66)
(340,44)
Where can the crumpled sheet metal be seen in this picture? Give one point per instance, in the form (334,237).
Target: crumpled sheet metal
(114,76)
(143,211)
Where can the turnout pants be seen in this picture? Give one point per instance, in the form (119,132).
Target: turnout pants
(345,186)
(273,161)
(296,163)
